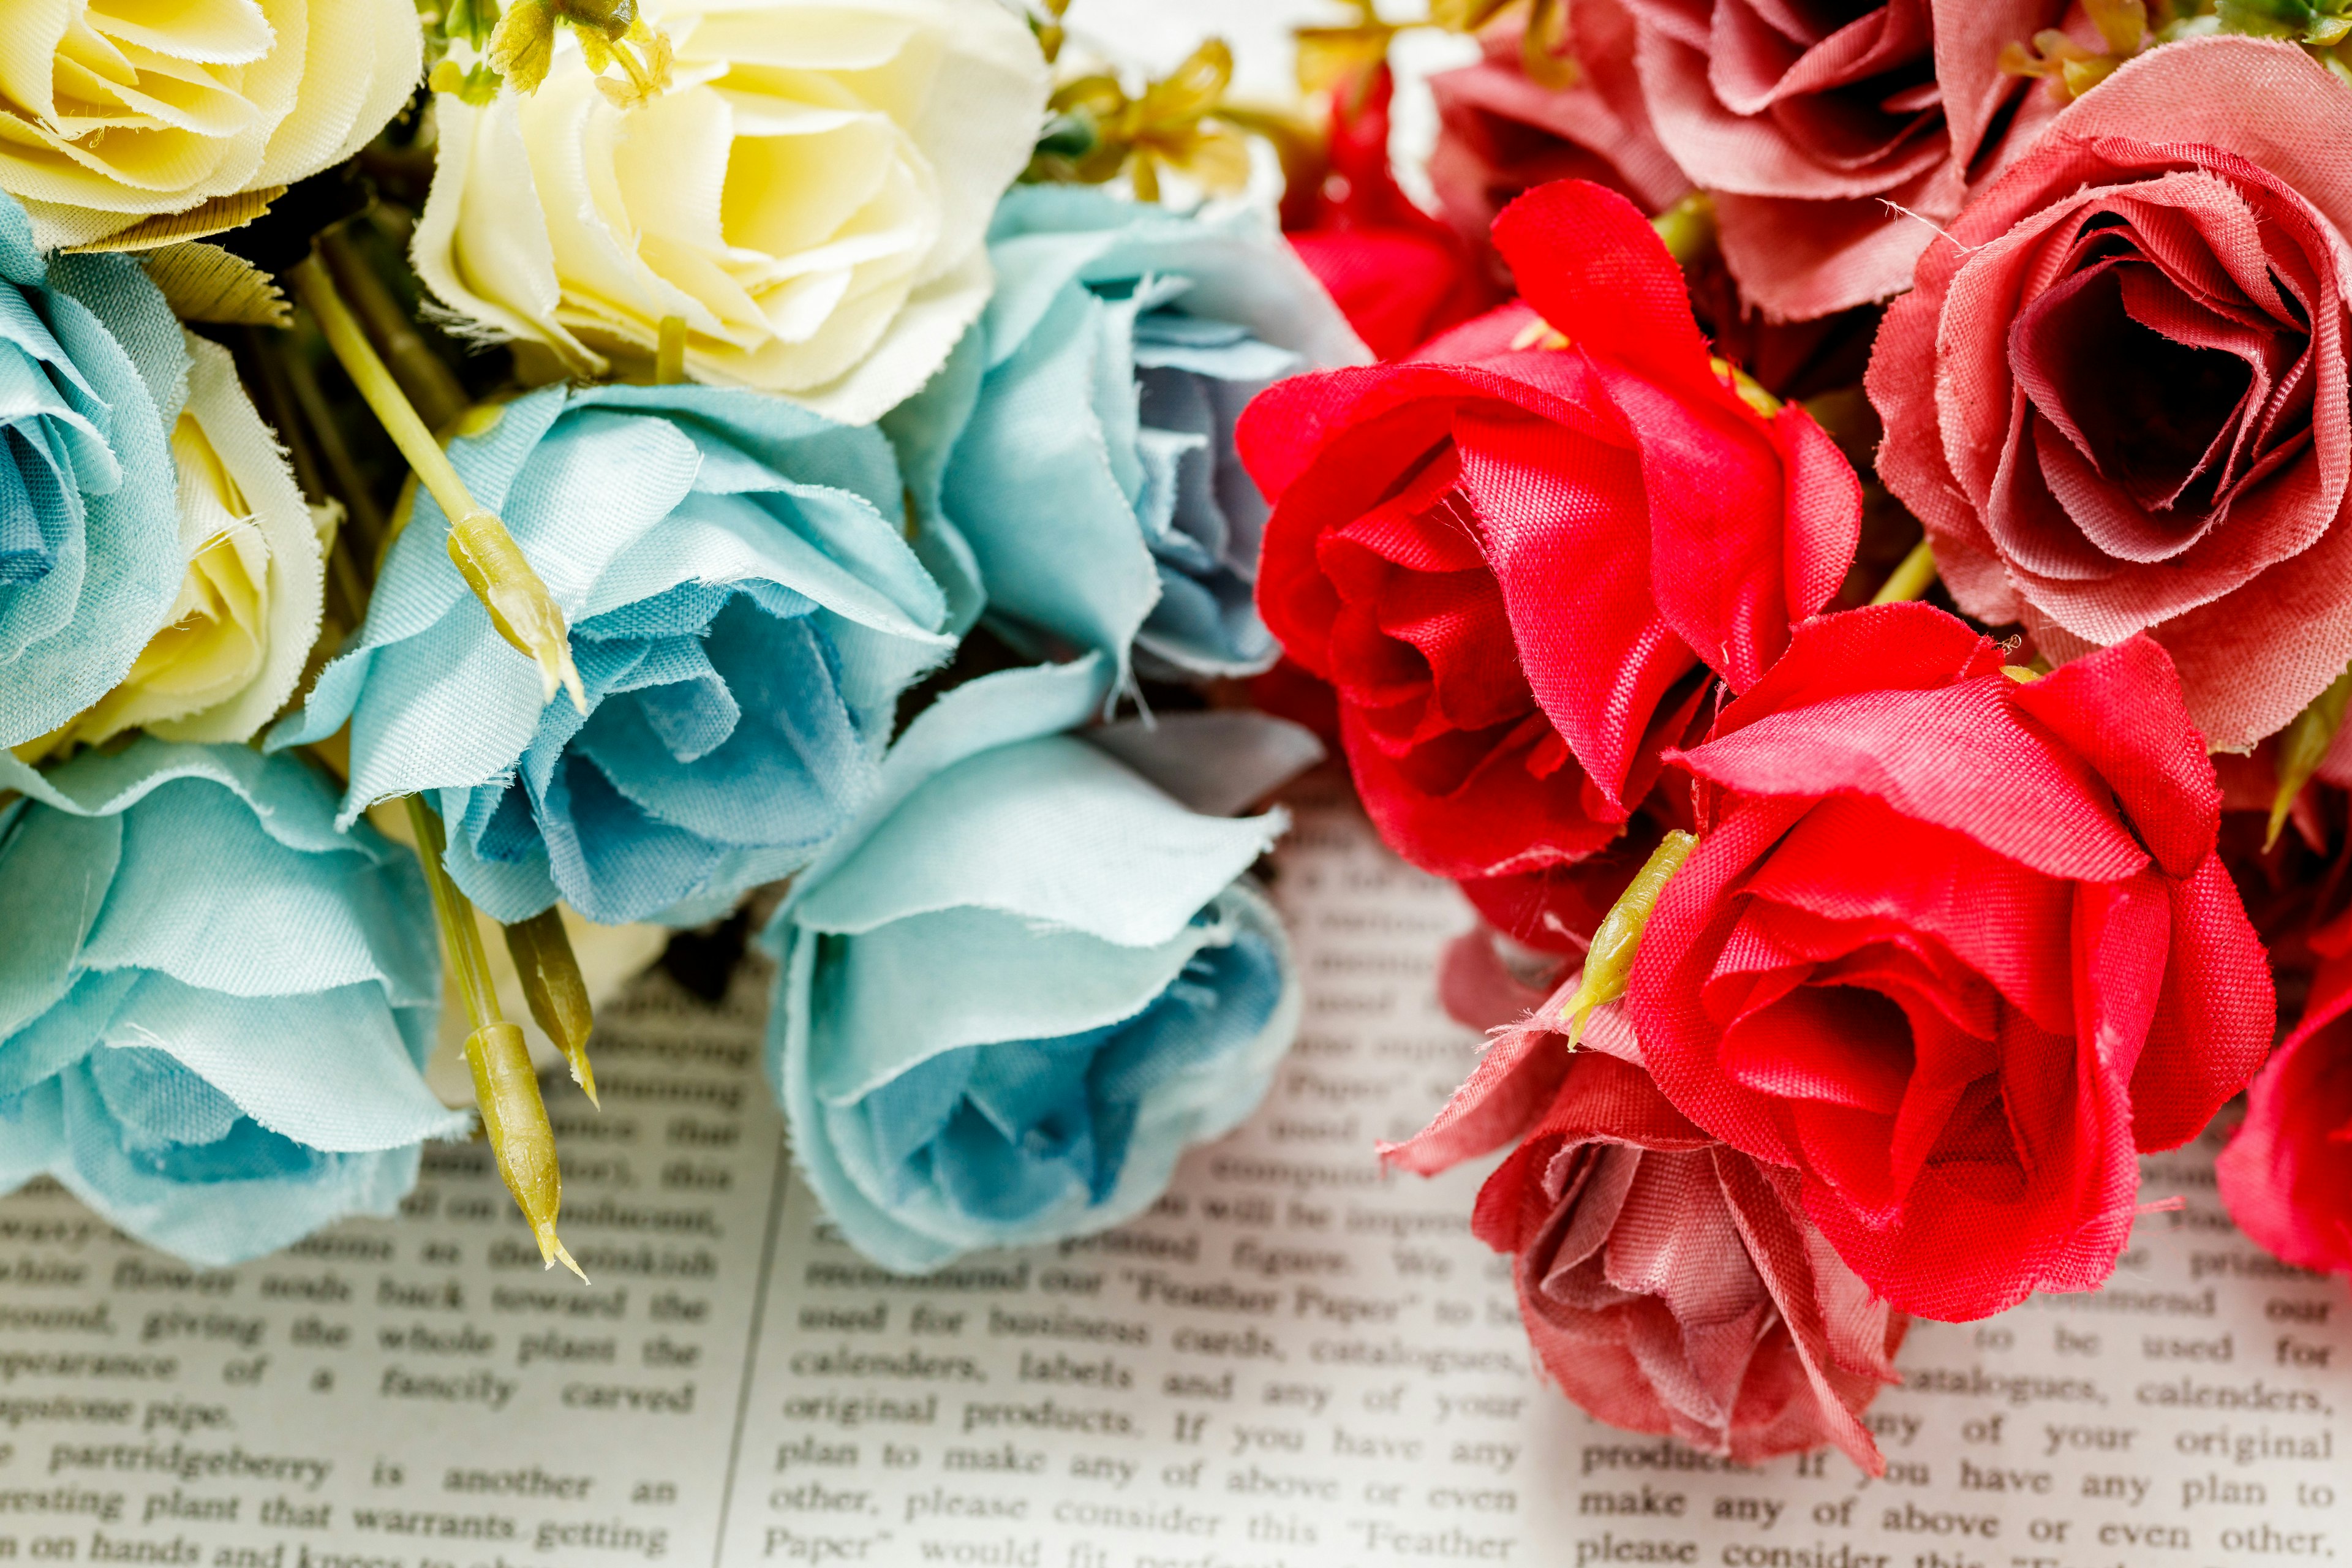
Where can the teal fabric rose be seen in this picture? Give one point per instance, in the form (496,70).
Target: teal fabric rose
(745,611)
(1075,462)
(215,1005)
(1029,977)
(94,374)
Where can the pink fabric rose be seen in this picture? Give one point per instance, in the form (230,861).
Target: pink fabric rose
(2117,397)
(1808,119)
(1668,1283)
(1500,134)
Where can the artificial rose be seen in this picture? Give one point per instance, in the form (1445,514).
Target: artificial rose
(90,559)
(1401,276)
(214,1003)
(1515,562)
(1813,125)
(1033,971)
(112,114)
(1957,947)
(1073,468)
(811,198)
(2286,1175)
(2117,396)
(233,644)
(745,611)
(1500,134)
(1669,1283)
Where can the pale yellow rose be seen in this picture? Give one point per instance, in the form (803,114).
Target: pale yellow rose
(114,110)
(234,646)
(811,197)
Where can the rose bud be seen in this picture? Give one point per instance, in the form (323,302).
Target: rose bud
(1669,1282)
(1957,945)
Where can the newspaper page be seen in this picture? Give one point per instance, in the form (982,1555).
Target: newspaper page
(1295,1360)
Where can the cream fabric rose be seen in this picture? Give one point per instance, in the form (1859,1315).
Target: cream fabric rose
(234,642)
(810,197)
(114,111)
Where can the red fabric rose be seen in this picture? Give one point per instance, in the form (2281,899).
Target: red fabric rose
(2287,1175)
(1500,134)
(1399,276)
(1956,948)
(1668,1282)
(1511,560)
(1806,121)
(2117,397)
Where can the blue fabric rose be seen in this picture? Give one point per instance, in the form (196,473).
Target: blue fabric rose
(1074,462)
(94,374)
(745,611)
(1028,978)
(214,1006)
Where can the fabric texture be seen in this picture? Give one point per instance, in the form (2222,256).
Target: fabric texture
(1669,1282)
(2117,398)
(116,114)
(1955,948)
(1836,138)
(809,196)
(1517,565)
(1015,992)
(744,613)
(95,374)
(1074,464)
(215,1003)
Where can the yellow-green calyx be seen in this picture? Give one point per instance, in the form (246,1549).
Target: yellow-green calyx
(2303,746)
(505,1087)
(1912,577)
(1688,228)
(521,607)
(1610,963)
(555,990)
(525,614)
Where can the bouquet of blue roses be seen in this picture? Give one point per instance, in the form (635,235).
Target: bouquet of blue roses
(423,587)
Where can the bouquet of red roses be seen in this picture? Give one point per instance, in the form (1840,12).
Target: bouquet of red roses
(1867,625)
